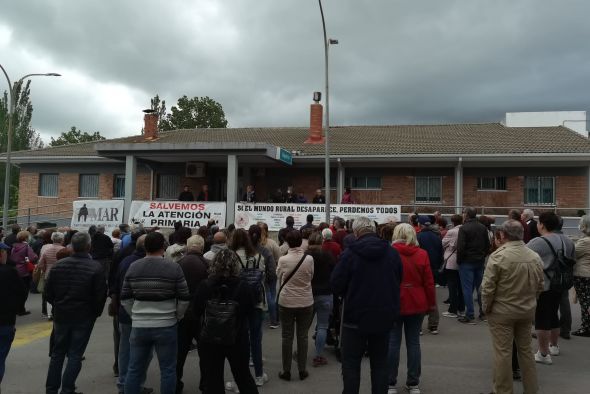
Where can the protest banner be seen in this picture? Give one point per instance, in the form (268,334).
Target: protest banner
(108,213)
(164,214)
(274,215)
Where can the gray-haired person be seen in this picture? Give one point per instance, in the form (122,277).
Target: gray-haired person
(47,259)
(368,278)
(512,281)
(76,287)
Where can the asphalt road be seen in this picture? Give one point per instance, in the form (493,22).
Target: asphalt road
(456,361)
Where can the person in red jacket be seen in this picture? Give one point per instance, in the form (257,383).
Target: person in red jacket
(329,245)
(417,297)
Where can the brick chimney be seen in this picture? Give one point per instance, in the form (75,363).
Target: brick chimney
(150,128)
(315,121)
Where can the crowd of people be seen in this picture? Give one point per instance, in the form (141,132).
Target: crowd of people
(365,284)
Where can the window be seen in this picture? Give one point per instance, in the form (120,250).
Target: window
(491,183)
(119,186)
(48,185)
(88,185)
(539,190)
(428,189)
(364,182)
(168,186)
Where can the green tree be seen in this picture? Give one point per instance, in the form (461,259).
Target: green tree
(194,113)
(75,136)
(24,137)
(160,107)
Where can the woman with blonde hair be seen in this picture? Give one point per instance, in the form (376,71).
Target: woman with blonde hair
(417,298)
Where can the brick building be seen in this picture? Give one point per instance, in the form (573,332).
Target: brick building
(421,167)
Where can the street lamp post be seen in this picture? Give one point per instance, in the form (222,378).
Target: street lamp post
(327,43)
(11,111)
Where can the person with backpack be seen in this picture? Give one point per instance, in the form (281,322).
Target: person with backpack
(295,298)
(223,303)
(253,266)
(557,253)
(22,257)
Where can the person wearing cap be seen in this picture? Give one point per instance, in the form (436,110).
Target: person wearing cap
(12,294)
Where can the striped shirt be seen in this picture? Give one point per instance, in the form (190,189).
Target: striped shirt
(155,293)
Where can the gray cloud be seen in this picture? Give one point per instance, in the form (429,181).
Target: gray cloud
(397,62)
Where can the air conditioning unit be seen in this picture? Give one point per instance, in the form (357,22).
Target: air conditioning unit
(195,170)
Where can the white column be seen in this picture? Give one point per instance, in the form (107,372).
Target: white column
(130,175)
(459,186)
(232,189)
(340,182)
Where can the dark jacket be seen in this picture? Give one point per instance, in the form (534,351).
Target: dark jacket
(186,196)
(10,239)
(533,231)
(77,289)
(368,277)
(323,265)
(237,290)
(102,247)
(12,294)
(432,244)
(194,266)
(473,243)
(117,285)
(117,259)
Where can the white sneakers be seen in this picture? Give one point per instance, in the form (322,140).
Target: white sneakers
(554,350)
(449,314)
(543,359)
(411,390)
(260,380)
(231,387)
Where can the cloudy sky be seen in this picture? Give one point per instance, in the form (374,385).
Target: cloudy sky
(398,61)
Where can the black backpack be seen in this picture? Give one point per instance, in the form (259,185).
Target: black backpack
(253,276)
(562,269)
(220,320)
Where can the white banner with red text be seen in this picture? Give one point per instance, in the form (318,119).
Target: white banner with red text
(107,213)
(274,215)
(164,214)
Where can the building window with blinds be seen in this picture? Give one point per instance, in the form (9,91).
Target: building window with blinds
(168,186)
(539,190)
(428,189)
(88,185)
(119,186)
(48,185)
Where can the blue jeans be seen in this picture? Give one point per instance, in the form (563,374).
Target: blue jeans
(354,345)
(255,328)
(411,325)
(322,308)
(143,341)
(6,338)
(69,339)
(471,274)
(271,300)
(124,349)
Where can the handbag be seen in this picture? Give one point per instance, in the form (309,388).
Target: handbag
(444,266)
(290,276)
(41,284)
